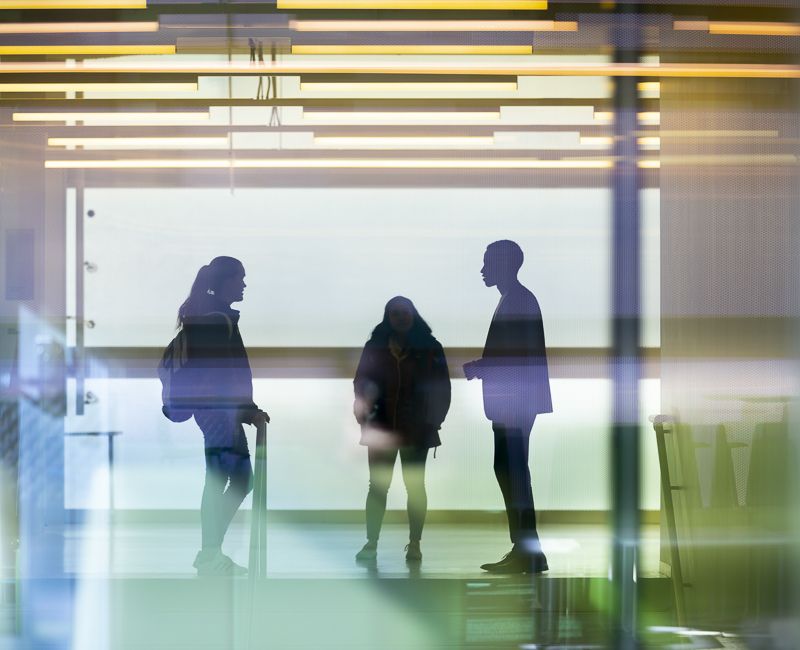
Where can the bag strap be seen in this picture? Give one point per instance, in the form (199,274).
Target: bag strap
(227,320)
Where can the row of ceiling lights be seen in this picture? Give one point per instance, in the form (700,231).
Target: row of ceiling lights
(712,27)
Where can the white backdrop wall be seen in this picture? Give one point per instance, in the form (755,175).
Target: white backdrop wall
(320,265)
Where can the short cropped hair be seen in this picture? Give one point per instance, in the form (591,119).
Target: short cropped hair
(509,251)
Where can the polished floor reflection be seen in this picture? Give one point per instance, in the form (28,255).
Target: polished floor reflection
(317,596)
(327,550)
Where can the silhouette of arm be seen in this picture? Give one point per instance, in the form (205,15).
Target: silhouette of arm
(365,386)
(440,388)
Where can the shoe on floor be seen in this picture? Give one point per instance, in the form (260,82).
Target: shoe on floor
(517,562)
(413,552)
(492,566)
(216,563)
(236,569)
(368,552)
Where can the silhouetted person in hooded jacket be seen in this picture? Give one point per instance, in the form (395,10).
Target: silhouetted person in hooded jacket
(516,388)
(221,387)
(402,391)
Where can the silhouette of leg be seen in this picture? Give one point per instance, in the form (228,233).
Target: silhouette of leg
(240,472)
(521,492)
(502,471)
(413,464)
(210,505)
(381,465)
(521,497)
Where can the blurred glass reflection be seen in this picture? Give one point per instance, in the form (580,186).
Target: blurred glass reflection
(643,155)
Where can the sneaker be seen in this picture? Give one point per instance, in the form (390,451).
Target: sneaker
(369,552)
(216,563)
(235,569)
(413,552)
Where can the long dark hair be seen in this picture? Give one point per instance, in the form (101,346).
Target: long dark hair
(419,335)
(201,298)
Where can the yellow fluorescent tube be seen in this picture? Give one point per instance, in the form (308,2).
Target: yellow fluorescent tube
(499,5)
(138,143)
(649,86)
(690,25)
(77,28)
(720,134)
(412,49)
(649,164)
(110,117)
(122,87)
(754,29)
(73,4)
(362,142)
(390,117)
(406,86)
(329,163)
(607,141)
(647,117)
(433,26)
(738,28)
(35,50)
(596,141)
(296,66)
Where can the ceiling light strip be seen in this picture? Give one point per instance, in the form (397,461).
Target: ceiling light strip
(83,50)
(391,117)
(139,142)
(461,5)
(73,4)
(121,87)
(329,163)
(409,86)
(738,28)
(413,49)
(433,68)
(121,117)
(649,142)
(433,26)
(77,28)
(365,142)
(754,29)
(645,117)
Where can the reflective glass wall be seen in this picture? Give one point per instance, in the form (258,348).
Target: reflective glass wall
(643,157)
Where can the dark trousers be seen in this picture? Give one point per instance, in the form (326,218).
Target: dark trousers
(511,445)
(229,479)
(381,467)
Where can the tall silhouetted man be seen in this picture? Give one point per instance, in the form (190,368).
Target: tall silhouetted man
(516,388)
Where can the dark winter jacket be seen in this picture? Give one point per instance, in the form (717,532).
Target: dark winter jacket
(406,393)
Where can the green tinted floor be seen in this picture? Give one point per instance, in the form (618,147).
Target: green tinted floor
(327,550)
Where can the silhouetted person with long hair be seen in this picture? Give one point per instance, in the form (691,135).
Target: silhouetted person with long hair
(402,390)
(222,401)
(516,388)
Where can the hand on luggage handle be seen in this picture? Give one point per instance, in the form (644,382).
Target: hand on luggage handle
(261,433)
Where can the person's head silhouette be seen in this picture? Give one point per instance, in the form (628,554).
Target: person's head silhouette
(399,314)
(218,283)
(401,320)
(501,263)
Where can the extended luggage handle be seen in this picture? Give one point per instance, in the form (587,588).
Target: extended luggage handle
(258,519)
